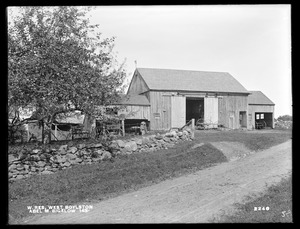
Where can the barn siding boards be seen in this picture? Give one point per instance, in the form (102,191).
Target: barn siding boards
(229,109)
(211,112)
(160,111)
(178,111)
(137,85)
(258,109)
(135,112)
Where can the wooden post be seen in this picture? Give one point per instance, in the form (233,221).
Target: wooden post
(28,135)
(123,127)
(55,131)
(193,128)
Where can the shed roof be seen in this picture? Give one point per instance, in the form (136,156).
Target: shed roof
(140,100)
(259,98)
(186,80)
(70,118)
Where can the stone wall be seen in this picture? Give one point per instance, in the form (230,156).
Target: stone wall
(41,161)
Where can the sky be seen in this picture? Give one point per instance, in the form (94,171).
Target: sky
(251,42)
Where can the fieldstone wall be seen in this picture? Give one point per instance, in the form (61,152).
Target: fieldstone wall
(39,161)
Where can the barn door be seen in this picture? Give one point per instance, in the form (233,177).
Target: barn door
(178,111)
(211,112)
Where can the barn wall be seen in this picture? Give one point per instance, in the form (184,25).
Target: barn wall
(211,111)
(135,112)
(258,108)
(229,108)
(160,111)
(137,85)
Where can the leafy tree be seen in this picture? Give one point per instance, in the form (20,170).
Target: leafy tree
(59,62)
(285,118)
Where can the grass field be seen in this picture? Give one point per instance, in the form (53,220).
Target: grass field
(273,206)
(103,180)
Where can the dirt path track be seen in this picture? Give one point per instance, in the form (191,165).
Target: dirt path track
(194,198)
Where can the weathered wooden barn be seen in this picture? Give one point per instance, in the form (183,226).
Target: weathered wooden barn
(260,110)
(170,98)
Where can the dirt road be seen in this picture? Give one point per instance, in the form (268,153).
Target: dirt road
(194,198)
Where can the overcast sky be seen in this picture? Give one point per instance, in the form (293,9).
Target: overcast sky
(251,42)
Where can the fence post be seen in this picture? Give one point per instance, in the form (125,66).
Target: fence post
(55,132)
(123,127)
(193,128)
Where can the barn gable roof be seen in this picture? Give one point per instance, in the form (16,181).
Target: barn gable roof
(259,98)
(186,80)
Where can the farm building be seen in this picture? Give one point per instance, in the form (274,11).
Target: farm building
(173,97)
(260,110)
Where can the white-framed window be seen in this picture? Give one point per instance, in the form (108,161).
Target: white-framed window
(257,116)
(261,116)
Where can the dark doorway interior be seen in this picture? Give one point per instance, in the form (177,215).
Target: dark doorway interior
(243,119)
(194,108)
(263,120)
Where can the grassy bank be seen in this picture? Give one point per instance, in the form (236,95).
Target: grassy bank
(102,180)
(273,206)
(254,140)
(99,181)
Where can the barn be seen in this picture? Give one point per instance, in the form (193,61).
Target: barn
(169,98)
(260,110)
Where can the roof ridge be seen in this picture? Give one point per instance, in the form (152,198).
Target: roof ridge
(169,69)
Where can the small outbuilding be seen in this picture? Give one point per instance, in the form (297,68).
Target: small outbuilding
(260,111)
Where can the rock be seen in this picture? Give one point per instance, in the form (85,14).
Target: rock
(139,141)
(120,143)
(179,134)
(26,167)
(171,134)
(63,149)
(48,151)
(54,169)
(159,137)
(185,132)
(77,160)
(35,158)
(12,158)
(36,151)
(130,146)
(33,169)
(62,152)
(12,167)
(97,145)
(189,130)
(81,146)
(60,159)
(145,140)
(46,172)
(70,156)
(43,157)
(19,177)
(73,150)
(19,168)
(41,163)
(105,155)
(22,156)
(96,159)
(166,139)
(66,164)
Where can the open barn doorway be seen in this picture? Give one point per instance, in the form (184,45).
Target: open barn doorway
(194,109)
(263,120)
